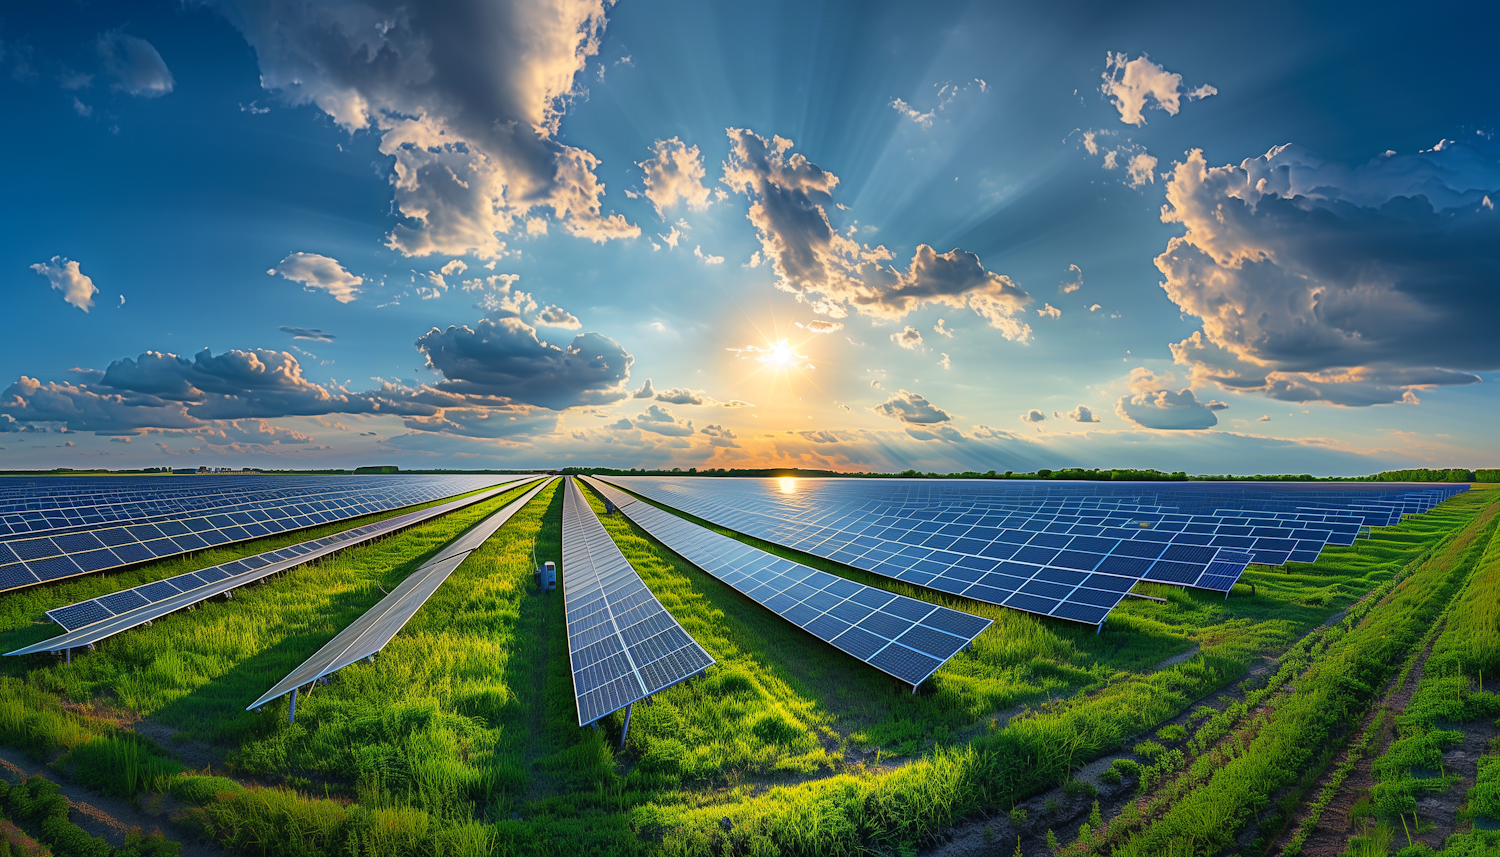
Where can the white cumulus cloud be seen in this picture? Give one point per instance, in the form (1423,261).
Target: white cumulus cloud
(321,273)
(64,275)
(1132,85)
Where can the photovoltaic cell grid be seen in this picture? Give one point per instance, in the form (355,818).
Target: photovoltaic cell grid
(75,616)
(380,624)
(37,559)
(89,622)
(1070,557)
(623,645)
(47,505)
(900,636)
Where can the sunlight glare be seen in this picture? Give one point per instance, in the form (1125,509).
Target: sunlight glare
(788,485)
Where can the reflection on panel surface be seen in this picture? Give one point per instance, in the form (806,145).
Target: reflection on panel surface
(904,637)
(1070,550)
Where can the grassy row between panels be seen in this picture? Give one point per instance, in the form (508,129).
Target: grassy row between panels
(1336,690)
(23,612)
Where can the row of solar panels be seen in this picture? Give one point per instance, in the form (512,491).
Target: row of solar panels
(1185,497)
(623,646)
(901,636)
(38,559)
(1069,566)
(370,633)
(88,622)
(83,504)
(932,498)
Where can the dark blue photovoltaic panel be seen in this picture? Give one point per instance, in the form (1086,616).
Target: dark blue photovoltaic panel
(622,644)
(99,523)
(903,637)
(1038,539)
(103,617)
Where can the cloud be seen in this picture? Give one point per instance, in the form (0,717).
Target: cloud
(645,392)
(830,270)
(30,402)
(1074,282)
(311,334)
(498,299)
(720,437)
(466,98)
(555,316)
(821,326)
(1140,170)
(1153,406)
(674,172)
(65,277)
(685,396)
(1130,83)
(912,409)
(1318,282)
(1033,416)
(946,93)
(510,422)
(1080,414)
(1050,311)
(502,358)
(659,420)
(707,260)
(942,328)
(135,65)
(910,338)
(316,272)
(1263,418)
(254,432)
(946,362)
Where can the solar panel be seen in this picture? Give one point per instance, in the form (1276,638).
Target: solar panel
(1067,550)
(371,632)
(219,517)
(88,622)
(900,636)
(623,645)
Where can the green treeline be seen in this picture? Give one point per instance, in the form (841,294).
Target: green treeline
(1425,475)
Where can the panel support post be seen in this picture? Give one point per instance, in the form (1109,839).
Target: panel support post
(68,655)
(1099,630)
(291,715)
(626,731)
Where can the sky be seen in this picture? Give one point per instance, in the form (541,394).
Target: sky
(853,236)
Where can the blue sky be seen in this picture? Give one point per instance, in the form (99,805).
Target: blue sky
(855,236)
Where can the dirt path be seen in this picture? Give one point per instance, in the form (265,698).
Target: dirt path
(1334,828)
(103,816)
(1062,813)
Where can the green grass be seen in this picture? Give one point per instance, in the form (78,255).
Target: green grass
(462,737)
(23,612)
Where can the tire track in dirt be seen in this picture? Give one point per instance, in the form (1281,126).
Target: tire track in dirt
(104,816)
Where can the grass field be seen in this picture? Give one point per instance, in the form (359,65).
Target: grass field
(462,737)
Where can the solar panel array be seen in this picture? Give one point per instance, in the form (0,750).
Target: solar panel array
(137,604)
(1066,550)
(91,529)
(622,644)
(371,632)
(901,636)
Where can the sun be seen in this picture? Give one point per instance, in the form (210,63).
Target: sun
(782,355)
